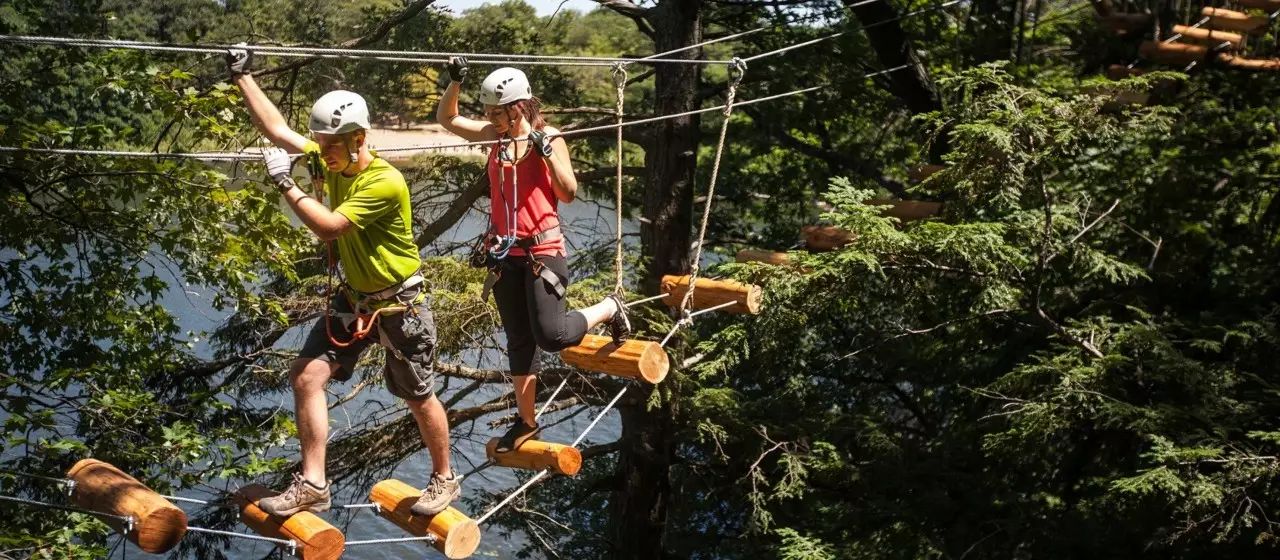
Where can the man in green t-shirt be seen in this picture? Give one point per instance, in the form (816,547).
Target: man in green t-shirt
(371,225)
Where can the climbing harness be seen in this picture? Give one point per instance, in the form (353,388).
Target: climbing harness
(498,247)
(368,308)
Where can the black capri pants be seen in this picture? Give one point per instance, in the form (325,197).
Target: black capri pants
(533,316)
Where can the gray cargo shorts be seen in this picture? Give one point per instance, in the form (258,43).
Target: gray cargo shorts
(412,332)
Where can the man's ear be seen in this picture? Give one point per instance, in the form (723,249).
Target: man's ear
(358,138)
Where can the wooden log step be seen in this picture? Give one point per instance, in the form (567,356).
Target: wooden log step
(1172,54)
(767,257)
(1230,20)
(316,538)
(907,210)
(457,536)
(1122,23)
(536,455)
(1250,64)
(633,359)
(710,293)
(1209,37)
(825,238)
(1120,72)
(158,525)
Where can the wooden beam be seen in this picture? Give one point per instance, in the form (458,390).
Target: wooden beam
(158,525)
(908,210)
(536,455)
(457,536)
(633,359)
(316,538)
(710,293)
(825,238)
(1230,20)
(1209,37)
(1253,64)
(1172,54)
(767,257)
(1120,72)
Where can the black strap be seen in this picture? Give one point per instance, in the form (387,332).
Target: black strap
(549,234)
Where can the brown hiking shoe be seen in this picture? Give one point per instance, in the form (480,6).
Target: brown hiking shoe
(437,496)
(299,496)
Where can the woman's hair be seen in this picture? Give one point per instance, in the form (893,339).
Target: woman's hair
(532,110)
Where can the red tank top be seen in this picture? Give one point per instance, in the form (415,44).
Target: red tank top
(535,202)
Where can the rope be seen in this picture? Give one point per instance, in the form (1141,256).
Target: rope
(69,484)
(620,84)
(253,156)
(491,59)
(739,70)
(544,472)
(128,521)
(428,538)
(293,545)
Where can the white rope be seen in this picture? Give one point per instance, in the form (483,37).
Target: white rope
(552,398)
(545,472)
(293,545)
(428,538)
(251,156)
(620,84)
(738,72)
(648,299)
(122,518)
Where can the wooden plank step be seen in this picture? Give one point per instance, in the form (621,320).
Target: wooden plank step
(1120,72)
(158,525)
(316,538)
(767,257)
(1209,37)
(633,359)
(456,535)
(711,293)
(1172,54)
(536,455)
(1230,20)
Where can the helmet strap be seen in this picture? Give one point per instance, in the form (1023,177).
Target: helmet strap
(352,152)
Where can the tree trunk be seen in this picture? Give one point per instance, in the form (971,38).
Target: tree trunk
(893,49)
(672,157)
(638,509)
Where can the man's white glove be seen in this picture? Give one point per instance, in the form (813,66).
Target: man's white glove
(278,167)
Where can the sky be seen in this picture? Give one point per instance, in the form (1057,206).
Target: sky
(544,7)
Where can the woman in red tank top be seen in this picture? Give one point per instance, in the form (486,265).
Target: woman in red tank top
(530,174)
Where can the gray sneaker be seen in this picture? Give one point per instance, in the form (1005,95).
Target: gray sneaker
(299,496)
(437,496)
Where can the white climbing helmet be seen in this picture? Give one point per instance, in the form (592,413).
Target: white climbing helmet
(339,112)
(505,85)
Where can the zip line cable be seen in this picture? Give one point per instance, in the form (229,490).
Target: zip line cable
(254,156)
(491,59)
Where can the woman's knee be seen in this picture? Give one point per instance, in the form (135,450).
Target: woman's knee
(554,338)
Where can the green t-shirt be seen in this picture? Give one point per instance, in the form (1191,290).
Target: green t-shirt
(379,251)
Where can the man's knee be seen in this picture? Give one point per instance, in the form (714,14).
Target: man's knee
(307,374)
